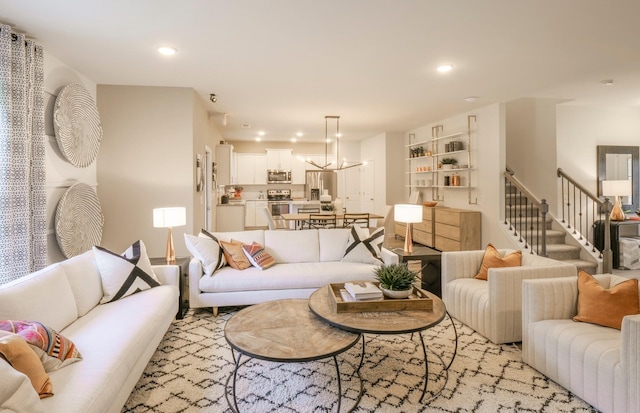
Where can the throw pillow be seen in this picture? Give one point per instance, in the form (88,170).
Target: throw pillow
(364,247)
(257,256)
(207,251)
(606,307)
(206,234)
(492,259)
(19,354)
(235,255)
(126,274)
(54,349)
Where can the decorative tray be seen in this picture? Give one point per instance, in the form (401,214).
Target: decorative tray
(419,300)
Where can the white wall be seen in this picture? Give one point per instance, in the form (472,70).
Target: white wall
(488,153)
(60,173)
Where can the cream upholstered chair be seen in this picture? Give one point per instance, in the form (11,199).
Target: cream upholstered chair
(270,221)
(599,364)
(493,308)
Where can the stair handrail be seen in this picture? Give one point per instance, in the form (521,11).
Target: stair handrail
(540,204)
(603,208)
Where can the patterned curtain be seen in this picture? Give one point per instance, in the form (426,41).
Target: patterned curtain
(23,232)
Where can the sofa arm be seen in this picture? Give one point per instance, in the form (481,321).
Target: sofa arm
(549,299)
(388,256)
(167,274)
(460,264)
(630,359)
(196,271)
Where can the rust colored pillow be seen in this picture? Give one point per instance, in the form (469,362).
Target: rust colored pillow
(21,356)
(606,307)
(235,255)
(492,259)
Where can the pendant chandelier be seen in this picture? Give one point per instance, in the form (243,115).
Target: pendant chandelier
(333,165)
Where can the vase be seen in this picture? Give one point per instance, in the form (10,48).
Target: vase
(396,294)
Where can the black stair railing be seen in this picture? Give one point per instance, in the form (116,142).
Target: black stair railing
(581,209)
(525,214)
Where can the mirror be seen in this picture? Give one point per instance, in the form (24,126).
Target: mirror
(620,163)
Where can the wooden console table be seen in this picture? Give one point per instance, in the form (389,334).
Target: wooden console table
(615,227)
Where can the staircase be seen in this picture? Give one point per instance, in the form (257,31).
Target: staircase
(559,243)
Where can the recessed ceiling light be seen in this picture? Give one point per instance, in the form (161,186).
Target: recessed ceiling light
(328,140)
(608,82)
(294,140)
(471,99)
(258,139)
(167,50)
(299,134)
(444,68)
(261,133)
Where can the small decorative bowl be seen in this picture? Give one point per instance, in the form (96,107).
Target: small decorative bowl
(430,203)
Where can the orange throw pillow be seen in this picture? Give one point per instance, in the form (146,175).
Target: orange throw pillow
(492,259)
(606,307)
(21,356)
(235,255)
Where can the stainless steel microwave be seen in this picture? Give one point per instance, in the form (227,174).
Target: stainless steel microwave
(276,176)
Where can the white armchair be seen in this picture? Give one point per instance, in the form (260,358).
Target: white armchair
(493,308)
(599,364)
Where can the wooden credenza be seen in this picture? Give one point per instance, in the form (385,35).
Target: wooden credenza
(446,229)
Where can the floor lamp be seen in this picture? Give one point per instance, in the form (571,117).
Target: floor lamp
(169,218)
(616,188)
(408,214)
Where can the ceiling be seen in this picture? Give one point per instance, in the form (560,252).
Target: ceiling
(280,66)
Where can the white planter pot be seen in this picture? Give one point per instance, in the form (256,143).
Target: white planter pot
(396,294)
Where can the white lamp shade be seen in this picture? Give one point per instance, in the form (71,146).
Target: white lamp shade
(407,213)
(616,188)
(169,217)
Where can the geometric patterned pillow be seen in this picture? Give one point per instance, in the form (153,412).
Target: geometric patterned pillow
(206,234)
(362,247)
(126,274)
(257,256)
(54,349)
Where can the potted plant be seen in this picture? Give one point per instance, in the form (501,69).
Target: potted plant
(396,280)
(447,163)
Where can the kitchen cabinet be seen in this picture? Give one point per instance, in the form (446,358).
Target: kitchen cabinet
(252,169)
(254,214)
(279,159)
(225,165)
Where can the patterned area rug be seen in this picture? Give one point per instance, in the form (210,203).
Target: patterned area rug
(189,370)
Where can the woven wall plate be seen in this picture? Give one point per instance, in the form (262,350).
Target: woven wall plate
(78,220)
(77,125)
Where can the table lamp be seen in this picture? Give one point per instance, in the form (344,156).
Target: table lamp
(616,188)
(169,218)
(408,214)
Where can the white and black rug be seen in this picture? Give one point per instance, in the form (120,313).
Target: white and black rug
(189,370)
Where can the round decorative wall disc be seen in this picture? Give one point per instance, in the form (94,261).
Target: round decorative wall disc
(77,125)
(78,220)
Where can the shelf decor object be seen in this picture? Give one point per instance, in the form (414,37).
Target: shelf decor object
(77,125)
(616,188)
(78,220)
(408,214)
(169,218)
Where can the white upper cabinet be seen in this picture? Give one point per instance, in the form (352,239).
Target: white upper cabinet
(279,159)
(251,169)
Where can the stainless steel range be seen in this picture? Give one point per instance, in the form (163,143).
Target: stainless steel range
(279,203)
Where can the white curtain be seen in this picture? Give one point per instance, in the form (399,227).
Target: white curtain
(23,242)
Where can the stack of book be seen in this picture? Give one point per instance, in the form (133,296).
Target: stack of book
(361,291)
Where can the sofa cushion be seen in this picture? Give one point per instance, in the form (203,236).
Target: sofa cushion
(292,246)
(15,350)
(257,256)
(333,243)
(45,295)
(619,300)
(492,259)
(364,247)
(286,276)
(84,279)
(234,255)
(16,391)
(54,349)
(206,248)
(125,274)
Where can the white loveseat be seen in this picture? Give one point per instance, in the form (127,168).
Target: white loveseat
(116,340)
(493,308)
(599,364)
(305,261)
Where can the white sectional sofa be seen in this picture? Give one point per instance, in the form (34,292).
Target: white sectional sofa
(116,340)
(305,261)
(599,364)
(493,307)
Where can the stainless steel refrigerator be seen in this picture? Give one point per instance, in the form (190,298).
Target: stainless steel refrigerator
(317,181)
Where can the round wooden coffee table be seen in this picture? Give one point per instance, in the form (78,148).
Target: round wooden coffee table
(285,331)
(383,322)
